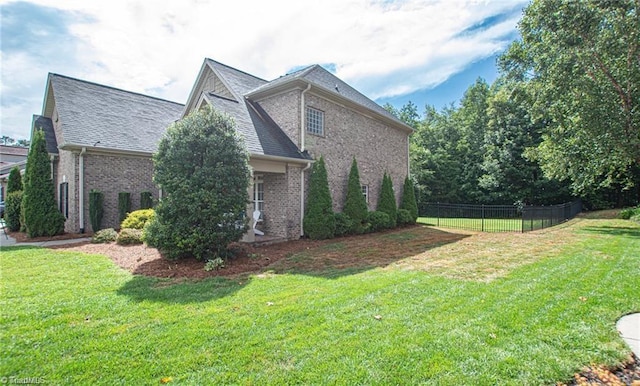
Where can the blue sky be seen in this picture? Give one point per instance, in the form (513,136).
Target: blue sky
(424,51)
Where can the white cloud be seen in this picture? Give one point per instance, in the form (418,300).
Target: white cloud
(383,48)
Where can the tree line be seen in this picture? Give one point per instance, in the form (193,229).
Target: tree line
(560,121)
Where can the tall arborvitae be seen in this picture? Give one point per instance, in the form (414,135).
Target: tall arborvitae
(387,200)
(14,183)
(319,221)
(13,200)
(41,216)
(355,205)
(408,201)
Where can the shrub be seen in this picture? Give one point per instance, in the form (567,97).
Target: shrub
(379,221)
(627,213)
(408,201)
(128,236)
(96,209)
(319,222)
(203,166)
(124,205)
(137,219)
(387,200)
(14,182)
(146,200)
(12,210)
(405,218)
(104,236)
(41,215)
(355,206)
(344,224)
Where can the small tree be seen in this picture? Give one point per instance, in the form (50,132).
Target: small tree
(14,200)
(319,220)
(41,216)
(146,200)
(408,201)
(96,209)
(355,205)
(387,200)
(12,208)
(203,166)
(14,182)
(124,205)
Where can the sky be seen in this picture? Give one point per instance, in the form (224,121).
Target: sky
(395,51)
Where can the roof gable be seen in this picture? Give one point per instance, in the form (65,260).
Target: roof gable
(330,86)
(95,115)
(220,80)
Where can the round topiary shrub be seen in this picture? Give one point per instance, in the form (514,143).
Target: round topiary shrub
(137,219)
(379,221)
(344,224)
(405,217)
(104,236)
(129,236)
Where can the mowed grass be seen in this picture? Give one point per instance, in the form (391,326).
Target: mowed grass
(483,225)
(476,309)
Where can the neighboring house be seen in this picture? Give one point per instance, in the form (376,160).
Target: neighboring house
(101,138)
(286,123)
(10,157)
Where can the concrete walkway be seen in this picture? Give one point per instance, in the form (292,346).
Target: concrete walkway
(8,241)
(629,328)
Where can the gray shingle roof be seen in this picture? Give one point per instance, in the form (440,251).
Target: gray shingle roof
(120,120)
(44,123)
(262,135)
(322,78)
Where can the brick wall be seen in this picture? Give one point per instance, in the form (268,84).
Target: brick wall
(347,133)
(282,203)
(67,171)
(112,174)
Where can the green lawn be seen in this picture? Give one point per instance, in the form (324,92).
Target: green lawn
(519,309)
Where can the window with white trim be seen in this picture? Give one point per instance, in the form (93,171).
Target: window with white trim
(365,193)
(258,194)
(315,121)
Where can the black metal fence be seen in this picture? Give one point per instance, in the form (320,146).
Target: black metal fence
(499,218)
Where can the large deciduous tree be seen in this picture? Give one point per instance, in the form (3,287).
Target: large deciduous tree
(202,167)
(581,63)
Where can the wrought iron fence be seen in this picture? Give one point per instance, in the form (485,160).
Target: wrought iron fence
(499,218)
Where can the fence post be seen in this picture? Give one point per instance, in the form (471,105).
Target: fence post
(482,217)
(438,214)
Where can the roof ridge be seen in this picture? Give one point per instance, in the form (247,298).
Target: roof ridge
(235,69)
(113,88)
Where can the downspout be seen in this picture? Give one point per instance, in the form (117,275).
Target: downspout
(302,198)
(81,190)
(308,163)
(51,160)
(302,116)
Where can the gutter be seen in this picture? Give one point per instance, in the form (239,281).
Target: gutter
(81,190)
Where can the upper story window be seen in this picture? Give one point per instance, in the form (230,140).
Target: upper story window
(315,121)
(365,193)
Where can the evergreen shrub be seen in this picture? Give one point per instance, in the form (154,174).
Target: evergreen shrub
(96,209)
(387,200)
(137,219)
(344,224)
(12,209)
(146,200)
(319,221)
(124,205)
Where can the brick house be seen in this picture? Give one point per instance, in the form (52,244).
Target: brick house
(101,138)
(286,124)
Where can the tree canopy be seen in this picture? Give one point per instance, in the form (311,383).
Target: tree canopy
(202,167)
(580,61)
